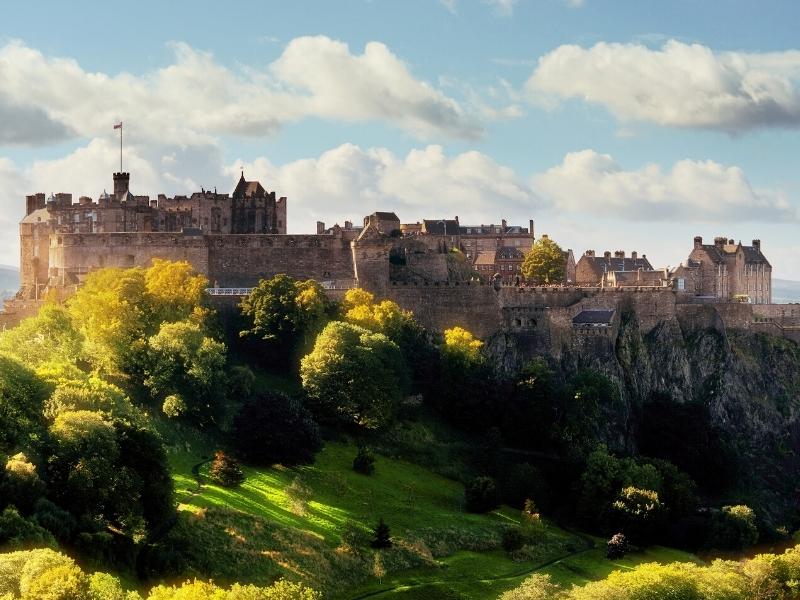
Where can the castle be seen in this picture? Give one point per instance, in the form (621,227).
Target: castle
(448,272)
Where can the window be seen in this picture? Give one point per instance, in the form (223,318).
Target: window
(681,283)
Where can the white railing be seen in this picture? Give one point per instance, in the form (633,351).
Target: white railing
(219,291)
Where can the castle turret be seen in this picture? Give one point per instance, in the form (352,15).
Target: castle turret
(121,184)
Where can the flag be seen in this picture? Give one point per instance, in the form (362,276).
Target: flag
(118,125)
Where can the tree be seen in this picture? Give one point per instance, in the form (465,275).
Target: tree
(20,484)
(225,470)
(49,336)
(285,315)
(183,360)
(617,547)
(460,346)
(364,461)
(544,262)
(354,375)
(381,537)
(22,394)
(272,428)
(175,292)
(535,587)
(480,495)
(17,532)
(733,528)
(638,513)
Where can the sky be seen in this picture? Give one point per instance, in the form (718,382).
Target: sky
(614,124)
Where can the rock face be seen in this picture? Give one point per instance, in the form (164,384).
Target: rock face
(747,383)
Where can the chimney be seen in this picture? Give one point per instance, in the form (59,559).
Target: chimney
(731,242)
(607,254)
(698,242)
(320,227)
(590,253)
(634,255)
(121,182)
(348,224)
(757,244)
(619,254)
(719,241)
(457,220)
(505,225)
(34,202)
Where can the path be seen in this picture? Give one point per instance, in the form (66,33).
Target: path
(590,545)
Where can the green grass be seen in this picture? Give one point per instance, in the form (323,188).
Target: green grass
(259,532)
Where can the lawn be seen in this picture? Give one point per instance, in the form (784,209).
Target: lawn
(286,522)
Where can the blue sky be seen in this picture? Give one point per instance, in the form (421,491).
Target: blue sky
(615,125)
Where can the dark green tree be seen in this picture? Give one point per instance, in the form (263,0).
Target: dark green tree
(381,537)
(364,461)
(225,470)
(480,495)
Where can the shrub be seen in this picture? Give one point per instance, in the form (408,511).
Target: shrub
(364,461)
(21,484)
(299,494)
(273,428)
(225,470)
(354,537)
(480,495)
(513,539)
(174,406)
(381,537)
(17,532)
(617,547)
(638,513)
(733,528)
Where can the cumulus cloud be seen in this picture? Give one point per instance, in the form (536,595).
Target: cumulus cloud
(504,8)
(679,85)
(350,182)
(195,97)
(587,183)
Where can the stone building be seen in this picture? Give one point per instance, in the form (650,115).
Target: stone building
(592,269)
(727,271)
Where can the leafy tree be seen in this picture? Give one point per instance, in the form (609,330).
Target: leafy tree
(49,336)
(480,495)
(22,394)
(225,470)
(90,392)
(20,484)
(617,547)
(461,347)
(638,513)
(174,290)
(544,262)
(56,520)
(529,418)
(183,360)
(360,308)
(354,375)
(381,537)
(733,528)
(272,428)
(285,314)
(17,532)
(364,461)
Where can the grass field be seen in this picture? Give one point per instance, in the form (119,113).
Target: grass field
(291,523)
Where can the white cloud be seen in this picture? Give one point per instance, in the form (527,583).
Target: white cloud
(589,183)
(450,5)
(195,98)
(679,85)
(350,182)
(575,3)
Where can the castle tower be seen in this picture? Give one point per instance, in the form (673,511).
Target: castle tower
(121,184)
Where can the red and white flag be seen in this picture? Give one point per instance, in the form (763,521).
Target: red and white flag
(118,125)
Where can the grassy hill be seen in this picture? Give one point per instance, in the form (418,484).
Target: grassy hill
(296,523)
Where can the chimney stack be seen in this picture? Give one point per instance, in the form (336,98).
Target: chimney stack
(590,253)
(698,242)
(530,227)
(34,202)
(720,241)
(607,254)
(503,222)
(320,227)
(634,255)
(757,244)
(348,224)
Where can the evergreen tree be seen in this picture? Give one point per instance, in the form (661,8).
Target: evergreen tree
(380,537)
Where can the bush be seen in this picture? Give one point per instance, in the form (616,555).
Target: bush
(174,406)
(638,513)
(480,495)
(381,537)
(17,532)
(733,528)
(225,470)
(273,428)
(617,547)
(513,539)
(364,462)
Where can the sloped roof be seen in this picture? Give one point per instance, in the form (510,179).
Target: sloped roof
(485,257)
(593,317)
(248,189)
(509,253)
(386,216)
(39,215)
(441,227)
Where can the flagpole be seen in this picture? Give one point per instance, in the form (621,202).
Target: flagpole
(120,146)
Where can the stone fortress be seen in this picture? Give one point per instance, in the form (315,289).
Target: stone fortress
(448,273)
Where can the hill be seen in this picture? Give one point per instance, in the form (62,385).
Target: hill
(785,290)
(9,280)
